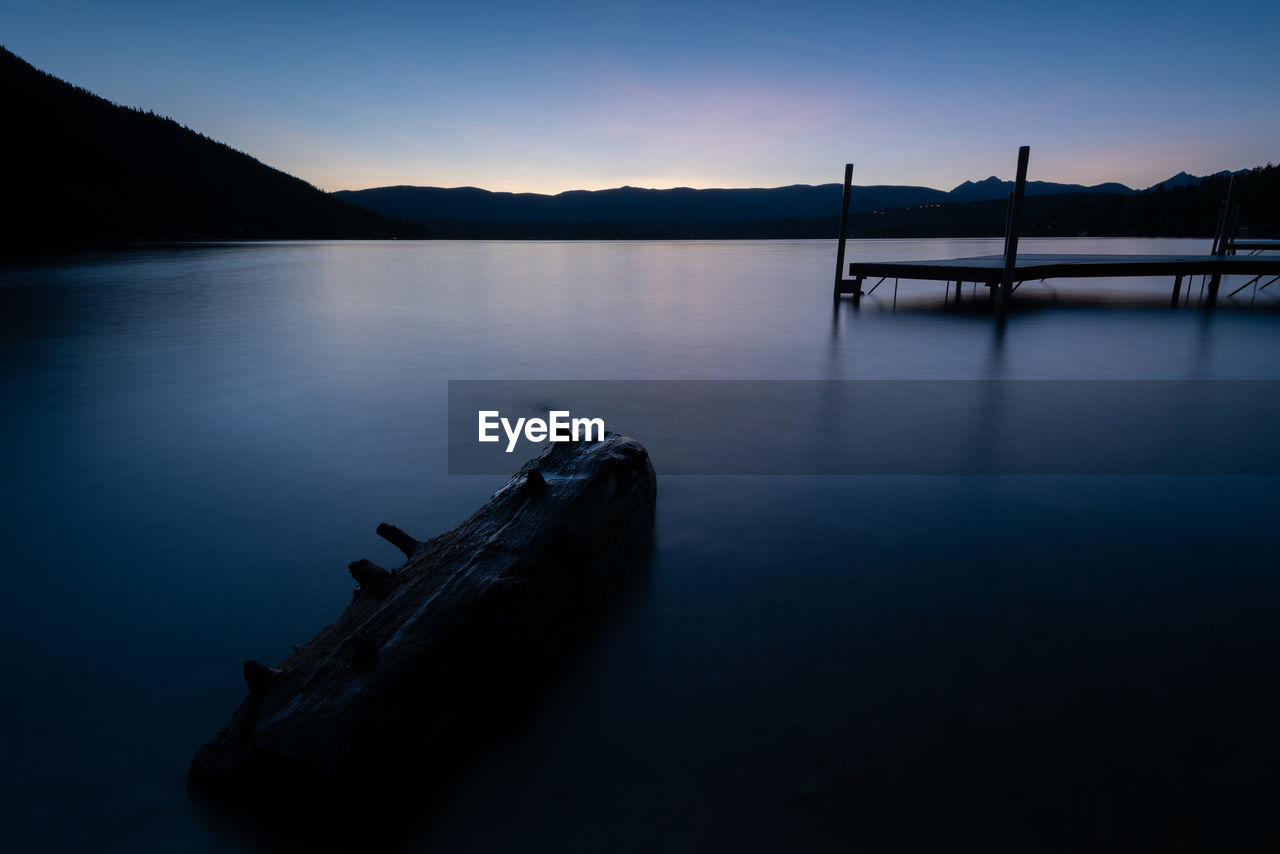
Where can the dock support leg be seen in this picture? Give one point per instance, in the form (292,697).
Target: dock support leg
(1222,242)
(1215,281)
(1226,226)
(844,228)
(959,292)
(1177,288)
(1011,237)
(857,290)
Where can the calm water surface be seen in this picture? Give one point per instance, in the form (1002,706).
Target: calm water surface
(196,442)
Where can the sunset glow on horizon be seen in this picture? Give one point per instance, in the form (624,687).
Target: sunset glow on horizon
(582,96)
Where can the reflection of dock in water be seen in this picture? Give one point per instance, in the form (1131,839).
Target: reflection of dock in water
(1002,274)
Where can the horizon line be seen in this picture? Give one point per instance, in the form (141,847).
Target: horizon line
(775,187)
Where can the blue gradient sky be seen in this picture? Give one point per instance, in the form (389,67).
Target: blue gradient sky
(564,95)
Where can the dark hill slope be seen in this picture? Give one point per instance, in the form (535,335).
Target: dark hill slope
(80,169)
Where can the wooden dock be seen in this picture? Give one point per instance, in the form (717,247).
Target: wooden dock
(1003,273)
(1253,246)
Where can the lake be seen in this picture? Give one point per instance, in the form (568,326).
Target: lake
(198,440)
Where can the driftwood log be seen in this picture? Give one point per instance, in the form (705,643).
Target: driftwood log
(375,698)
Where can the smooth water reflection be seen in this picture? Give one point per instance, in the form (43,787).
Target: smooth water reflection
(196,442)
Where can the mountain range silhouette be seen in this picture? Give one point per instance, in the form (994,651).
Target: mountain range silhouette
(682,204)
(437,206)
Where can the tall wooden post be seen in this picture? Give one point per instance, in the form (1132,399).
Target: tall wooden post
(1008,215)
(1226,227)
(844,229)
(1011,237)
(1217,231)
(1220,238)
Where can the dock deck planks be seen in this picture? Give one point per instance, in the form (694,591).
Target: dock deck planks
(989,269)
(1254,245)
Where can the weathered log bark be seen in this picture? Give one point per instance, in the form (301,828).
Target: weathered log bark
(377,696)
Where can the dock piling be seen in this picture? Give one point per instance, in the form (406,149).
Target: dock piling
(1011,232)
(844,230)
(1221,238)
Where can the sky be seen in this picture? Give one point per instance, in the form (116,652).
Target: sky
(552,96)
